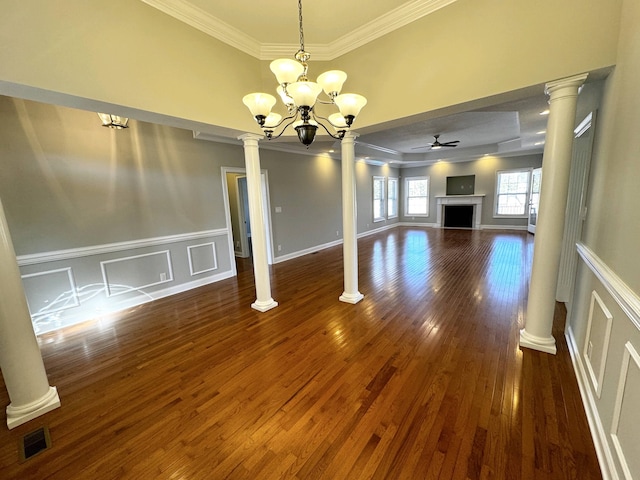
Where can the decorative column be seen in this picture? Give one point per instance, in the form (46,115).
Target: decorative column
(20,358)
(264,301)
(349,225)
(556,166)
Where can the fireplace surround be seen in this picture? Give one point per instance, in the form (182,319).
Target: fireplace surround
(474,200)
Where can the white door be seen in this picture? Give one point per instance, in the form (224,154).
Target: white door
(534,199)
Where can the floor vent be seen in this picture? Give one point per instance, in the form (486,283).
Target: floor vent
(35,442)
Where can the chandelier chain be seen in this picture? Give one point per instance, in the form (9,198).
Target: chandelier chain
(300,21)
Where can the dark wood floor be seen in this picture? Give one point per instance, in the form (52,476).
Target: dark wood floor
(422,379)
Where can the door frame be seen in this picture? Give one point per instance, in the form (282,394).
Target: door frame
(266,213)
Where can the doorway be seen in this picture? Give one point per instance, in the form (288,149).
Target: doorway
(234,183)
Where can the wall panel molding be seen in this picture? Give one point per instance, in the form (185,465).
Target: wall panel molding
(141,272)
(597,341)
(598,432)
(36,258)
(67,298)
(624,296)
(196,258)
(627,449)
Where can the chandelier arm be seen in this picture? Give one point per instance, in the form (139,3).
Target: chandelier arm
(341,132)
(290,117)
(337,127)
(269,132)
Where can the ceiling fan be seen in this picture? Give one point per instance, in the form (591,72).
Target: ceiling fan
(437,144)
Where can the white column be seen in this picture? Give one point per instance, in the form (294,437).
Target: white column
(264,301)
(349,218)
(556,166)
(20,358)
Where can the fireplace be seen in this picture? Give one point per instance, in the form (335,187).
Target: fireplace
(458,216)
(472,201)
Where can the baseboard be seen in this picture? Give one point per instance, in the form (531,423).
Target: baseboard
(306,251)
(598,433)
(504,227)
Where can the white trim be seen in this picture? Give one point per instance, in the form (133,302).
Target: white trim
(416,224)
(36,258)
(629,354)
(497,195)
(625,297)
(72,289)
(378,230)
(597,379)
(475,200)
(584,126)
(405,195)
(395,180)
(211,25)
(307,251)
(205,22)
(598,434)
(383,214)
(127,288)
(520,228)
(213,252)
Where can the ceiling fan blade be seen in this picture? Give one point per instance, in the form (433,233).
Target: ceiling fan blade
(451,143)
(448,144)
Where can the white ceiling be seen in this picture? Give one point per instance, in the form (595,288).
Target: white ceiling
(269,29)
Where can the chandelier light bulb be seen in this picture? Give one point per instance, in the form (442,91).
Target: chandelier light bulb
(332,81)
(304,94)
(272,120)
(286,70)
(259,104)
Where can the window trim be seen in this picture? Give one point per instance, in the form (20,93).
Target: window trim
(383,180)
(529,171)
(395,180)
(406,195)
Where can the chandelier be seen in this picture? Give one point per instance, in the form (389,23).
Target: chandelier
(113,121)
(300,97)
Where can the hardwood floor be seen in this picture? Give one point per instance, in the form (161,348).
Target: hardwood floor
(422,379)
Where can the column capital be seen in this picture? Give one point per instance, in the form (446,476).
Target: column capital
(350,135)
(250,138)
(565,86)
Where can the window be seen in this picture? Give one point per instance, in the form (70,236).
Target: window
(416,196)
(392,194)
(512,192)
(379,200)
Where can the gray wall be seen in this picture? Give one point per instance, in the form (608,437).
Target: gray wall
(604,320)
(485,170)
(103,219)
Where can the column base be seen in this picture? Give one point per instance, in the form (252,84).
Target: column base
(18,415)
(351,297)
(264,306)
(542,344)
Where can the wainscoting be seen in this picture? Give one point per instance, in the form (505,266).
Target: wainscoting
(603,334)
(67,287)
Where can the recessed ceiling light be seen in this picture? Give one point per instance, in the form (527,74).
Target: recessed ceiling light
(539,143)
(541,132)
(545,112)
(331,151)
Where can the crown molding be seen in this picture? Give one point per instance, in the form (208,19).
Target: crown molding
(207,23)
(197,18)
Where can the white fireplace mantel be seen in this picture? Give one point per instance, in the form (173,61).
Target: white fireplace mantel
(475,200)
